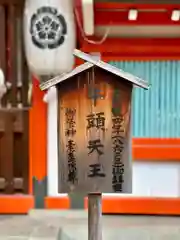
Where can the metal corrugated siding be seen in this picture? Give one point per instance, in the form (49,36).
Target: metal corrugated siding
(156,112)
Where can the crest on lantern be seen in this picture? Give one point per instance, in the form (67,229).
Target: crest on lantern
(48,28)
(49,37)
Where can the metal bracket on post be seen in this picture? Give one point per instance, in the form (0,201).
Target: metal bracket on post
(94,216)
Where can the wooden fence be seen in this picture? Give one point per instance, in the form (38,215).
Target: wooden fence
(14,104)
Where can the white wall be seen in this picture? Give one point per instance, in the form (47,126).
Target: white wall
(149,179)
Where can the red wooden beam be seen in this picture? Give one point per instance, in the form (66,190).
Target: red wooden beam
(148,14)
(144,18)
(117,6)
(124,47)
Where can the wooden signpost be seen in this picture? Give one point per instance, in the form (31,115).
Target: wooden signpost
(94,136)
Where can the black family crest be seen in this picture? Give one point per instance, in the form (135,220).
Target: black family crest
(48,28)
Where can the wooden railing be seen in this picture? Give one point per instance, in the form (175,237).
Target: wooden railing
(14,104)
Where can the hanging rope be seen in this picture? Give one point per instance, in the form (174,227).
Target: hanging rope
(83,33)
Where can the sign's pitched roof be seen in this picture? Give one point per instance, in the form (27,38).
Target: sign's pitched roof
(65,76)
(90,62)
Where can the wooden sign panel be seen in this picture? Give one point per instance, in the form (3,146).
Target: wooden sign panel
(94,134)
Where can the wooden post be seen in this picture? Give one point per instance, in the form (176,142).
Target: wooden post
(94,216)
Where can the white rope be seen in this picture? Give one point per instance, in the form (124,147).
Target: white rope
(83,34)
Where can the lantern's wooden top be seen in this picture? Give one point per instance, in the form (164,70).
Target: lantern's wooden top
(90,62)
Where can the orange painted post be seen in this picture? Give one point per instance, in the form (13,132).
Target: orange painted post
(38,146)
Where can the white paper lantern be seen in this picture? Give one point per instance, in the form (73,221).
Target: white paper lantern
(49,35)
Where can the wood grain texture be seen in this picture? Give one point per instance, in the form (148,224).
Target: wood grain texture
(94,216)
(12,52)
(6,161)
(73,94)
(11,2)
(14,115)
(2,40)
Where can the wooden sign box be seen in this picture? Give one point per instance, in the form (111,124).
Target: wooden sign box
(94,136)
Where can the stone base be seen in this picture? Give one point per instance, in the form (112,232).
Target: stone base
(25,228)
(72,225)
